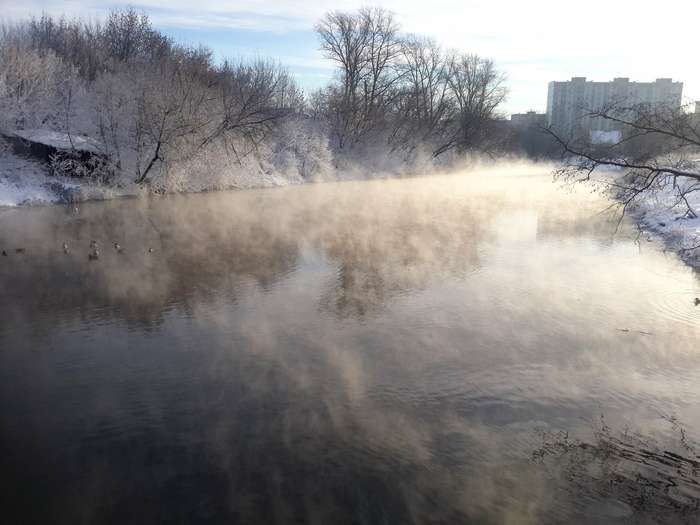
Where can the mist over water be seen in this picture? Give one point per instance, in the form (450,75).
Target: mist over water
(357,352)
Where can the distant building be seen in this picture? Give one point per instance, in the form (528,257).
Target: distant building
(568,101)
(695,117)
(527,135)
(529,119)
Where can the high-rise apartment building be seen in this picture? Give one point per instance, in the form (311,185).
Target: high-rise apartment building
(568,102)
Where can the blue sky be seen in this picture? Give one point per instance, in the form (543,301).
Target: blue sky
(531,42)
(298,50)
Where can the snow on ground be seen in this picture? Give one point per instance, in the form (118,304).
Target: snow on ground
(22,181)
(25,181)
(664,219)
(59,140)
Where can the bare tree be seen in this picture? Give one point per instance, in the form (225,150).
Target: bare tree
(128,34)
(366,47)
(477,89)
(252,97)
(343,39)
(425,106)
(380,73)
(176,108)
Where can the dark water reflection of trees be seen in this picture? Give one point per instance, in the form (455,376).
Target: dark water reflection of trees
(207,244)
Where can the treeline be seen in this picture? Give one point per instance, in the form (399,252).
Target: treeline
(152,104)
(403,91)
(170,116)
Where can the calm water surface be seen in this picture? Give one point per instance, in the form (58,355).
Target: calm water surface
(454,349)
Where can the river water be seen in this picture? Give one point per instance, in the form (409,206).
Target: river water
(483,348)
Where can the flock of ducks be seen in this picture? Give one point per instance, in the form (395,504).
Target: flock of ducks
(95,251)
(93,255)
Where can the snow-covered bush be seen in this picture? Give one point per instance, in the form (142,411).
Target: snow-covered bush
(67,164)
(29,86)
(299,148)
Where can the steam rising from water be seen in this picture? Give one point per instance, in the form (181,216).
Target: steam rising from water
(360,351)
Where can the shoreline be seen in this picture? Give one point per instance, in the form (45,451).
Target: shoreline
(679,235)
(660,215)
(26,183)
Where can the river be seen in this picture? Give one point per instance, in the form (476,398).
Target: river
(467,348)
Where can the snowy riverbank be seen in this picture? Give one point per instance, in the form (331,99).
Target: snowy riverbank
(664,219)
(659,213)
(26,182)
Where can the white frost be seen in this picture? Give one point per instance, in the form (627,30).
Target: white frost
(22,181)
(59,140)
(661,214)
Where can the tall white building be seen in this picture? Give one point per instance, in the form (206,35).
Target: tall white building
(568,101)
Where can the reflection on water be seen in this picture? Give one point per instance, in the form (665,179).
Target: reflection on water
(371,352)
